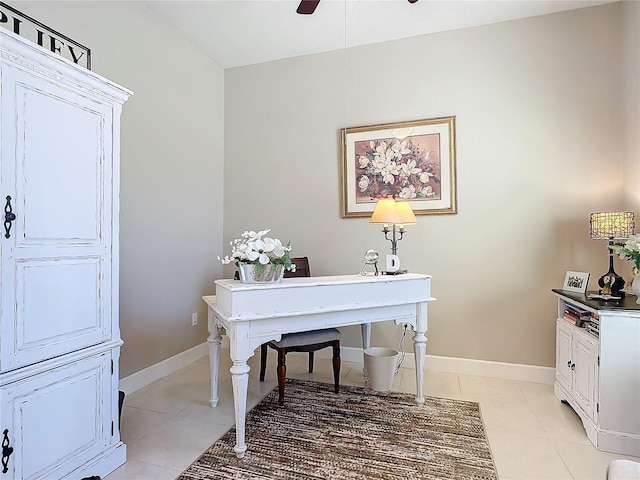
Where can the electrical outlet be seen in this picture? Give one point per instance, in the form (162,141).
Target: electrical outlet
(194,319)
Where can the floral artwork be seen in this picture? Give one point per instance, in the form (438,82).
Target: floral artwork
(407,169)
(410,161)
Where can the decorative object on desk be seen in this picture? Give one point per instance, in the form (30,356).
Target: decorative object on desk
(370,258)
(394,216)
(604,297)
(259,258)
(576,282)
(630,250)
(250,273)
(443,439)
(611,226)
(414,161)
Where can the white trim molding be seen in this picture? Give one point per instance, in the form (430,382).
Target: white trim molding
(148,375)
(435,363)
(465,366)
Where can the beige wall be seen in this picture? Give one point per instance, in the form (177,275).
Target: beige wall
(631,88)
(541,142)
(171,170)
(538,107)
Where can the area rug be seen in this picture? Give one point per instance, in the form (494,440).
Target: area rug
(357,434)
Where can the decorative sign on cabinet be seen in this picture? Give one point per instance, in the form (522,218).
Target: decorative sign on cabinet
(59,333)
(598,368)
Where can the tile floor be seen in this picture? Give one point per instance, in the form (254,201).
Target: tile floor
(169,423)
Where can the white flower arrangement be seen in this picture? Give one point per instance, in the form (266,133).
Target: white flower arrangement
(630,250)
(258,249)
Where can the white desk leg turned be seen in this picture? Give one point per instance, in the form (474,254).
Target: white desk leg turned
(240,380)
(366,339)
(420,349)
(214,340)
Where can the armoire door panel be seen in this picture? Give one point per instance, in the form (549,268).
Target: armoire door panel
(63,144)
(55,316)
(58,420)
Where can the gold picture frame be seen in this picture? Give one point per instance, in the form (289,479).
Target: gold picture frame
(413,161)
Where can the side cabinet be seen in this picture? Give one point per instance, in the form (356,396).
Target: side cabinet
(577,366)
(59,331)
(598,373)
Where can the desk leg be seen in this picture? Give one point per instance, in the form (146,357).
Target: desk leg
(240,380)
(214,360)
(419,350)
(366,339)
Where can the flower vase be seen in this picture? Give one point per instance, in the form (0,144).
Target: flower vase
(269,273)
(635,288)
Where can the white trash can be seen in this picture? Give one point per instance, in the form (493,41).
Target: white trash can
(380,365)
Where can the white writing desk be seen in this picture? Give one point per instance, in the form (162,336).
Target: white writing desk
(253,314)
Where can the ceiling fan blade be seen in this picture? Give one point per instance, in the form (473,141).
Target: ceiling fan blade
(307,7)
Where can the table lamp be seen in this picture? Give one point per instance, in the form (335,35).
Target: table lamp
(394,216)
(612,226)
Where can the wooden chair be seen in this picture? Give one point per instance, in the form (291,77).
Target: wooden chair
(309,341)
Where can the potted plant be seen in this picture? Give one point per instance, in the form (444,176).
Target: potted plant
(259,258)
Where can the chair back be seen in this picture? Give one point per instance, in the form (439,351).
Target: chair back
(302,268)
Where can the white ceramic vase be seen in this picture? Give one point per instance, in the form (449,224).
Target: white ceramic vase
(270,273)
(635,288)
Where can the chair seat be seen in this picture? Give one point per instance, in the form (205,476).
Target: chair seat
(307,338)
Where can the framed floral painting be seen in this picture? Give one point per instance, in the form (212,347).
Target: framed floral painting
(413,161)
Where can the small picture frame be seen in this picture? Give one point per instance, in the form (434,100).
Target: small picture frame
(576,282)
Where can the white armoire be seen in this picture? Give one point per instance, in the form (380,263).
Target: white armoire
(59,334)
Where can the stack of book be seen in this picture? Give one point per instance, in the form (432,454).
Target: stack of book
(593,326)
(576,315)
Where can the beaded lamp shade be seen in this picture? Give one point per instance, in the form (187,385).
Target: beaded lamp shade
(612,226)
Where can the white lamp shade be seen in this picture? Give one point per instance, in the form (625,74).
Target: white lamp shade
(407,216)
(386,211)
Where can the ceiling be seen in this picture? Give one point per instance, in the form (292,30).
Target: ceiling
(234,33)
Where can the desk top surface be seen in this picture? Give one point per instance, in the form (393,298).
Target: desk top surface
(296,282)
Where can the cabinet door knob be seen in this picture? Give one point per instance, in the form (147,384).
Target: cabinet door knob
(569,364)
(573,366)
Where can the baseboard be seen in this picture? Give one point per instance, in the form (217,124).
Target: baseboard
(464,366)
(148,375)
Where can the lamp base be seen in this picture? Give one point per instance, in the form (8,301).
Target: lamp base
(397,272)
(611,284)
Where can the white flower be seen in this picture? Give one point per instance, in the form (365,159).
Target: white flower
(409,168)
(630,250)
(389,171)
(363,161)
(408,192)
(275,247)
(256,248)
(425,177)
(363,183)
(400,149)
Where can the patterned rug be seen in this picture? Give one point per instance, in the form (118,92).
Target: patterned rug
(357,434)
